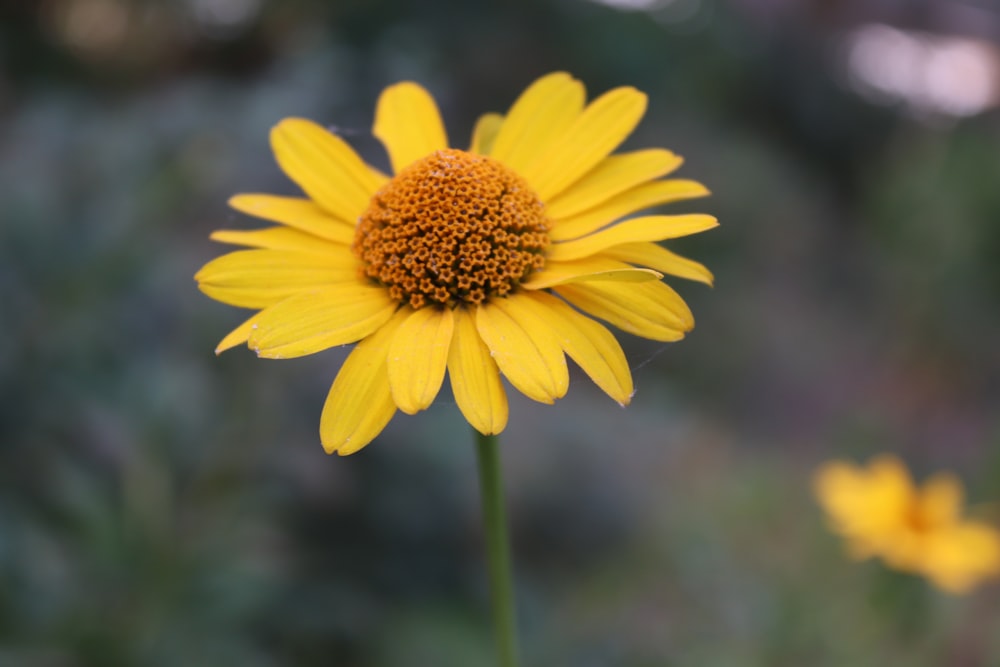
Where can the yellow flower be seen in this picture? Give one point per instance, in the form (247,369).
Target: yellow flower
(880,512)
(469,261)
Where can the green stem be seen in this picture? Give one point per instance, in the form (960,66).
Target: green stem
(497,548)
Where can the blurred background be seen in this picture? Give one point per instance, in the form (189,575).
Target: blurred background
(160,506)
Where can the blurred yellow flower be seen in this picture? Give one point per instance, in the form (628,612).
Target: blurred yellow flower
(469,261)
(880,512)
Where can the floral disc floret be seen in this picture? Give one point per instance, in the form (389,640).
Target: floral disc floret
(452,228)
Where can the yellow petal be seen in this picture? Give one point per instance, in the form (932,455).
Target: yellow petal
(589,344)
(872,508)
(262,266)
(243,297)
(631,201)
(651,310)
(302,214)
(360,403)
(940,499)
(524,348)
(260,278)
(237,336)
(833,483)
(538,117)
(591,268)
(408,124)
(959,556)
(841,489)
(379,175)
(613,175)
(277,238)
(659,258)
(249,297)
(887,476)
(318,319)
(604,124)
(650,228)
(418,356)
(485,133)
(324,166)
(475,379)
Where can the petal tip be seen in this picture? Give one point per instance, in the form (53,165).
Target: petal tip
(341,446)
(243,202)
(403,85)
(623,400)
(347,447)
(492,429)
(290,122)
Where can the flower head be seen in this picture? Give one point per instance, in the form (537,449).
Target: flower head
(880,512)
(479,262)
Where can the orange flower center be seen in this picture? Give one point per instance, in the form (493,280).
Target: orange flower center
(452,228)
(917,520)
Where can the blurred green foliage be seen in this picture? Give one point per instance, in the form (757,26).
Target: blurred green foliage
(160,506)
